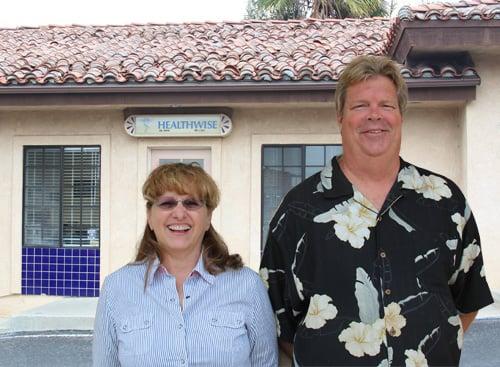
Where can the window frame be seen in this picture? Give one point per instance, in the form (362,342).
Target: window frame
(61,148)
(303,168)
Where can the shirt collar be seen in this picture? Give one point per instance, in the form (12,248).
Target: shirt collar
(338,185)
(157,269)
(335,183)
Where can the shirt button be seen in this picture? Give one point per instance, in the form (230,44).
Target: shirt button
(383,255)
(146,322)
(179,326)
(172,299)
(183,361)
(387,291)
(214,320)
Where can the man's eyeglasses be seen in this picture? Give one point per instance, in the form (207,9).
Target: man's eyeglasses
(171,203)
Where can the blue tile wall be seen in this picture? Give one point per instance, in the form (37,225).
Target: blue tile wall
(61,271)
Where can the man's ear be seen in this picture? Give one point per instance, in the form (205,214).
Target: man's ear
(339,121)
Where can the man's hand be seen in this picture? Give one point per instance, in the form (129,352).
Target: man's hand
(286,347)
(467,319)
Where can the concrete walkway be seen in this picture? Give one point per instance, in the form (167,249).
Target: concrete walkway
(49,313)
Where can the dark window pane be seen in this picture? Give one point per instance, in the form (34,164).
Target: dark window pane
(287,172)
(315,155)
(273,156)
(33,196)
(168,161)
(52,157)
(292,156)
(34,157)
(55,219)
(332,151)
(311,171)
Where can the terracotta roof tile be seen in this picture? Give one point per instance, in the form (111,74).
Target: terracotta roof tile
(251,50)
(463,10)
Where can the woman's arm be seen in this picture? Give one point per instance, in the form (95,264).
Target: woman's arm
(262,331)
(104,343)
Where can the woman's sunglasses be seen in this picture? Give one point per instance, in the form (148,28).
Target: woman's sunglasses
(170,203)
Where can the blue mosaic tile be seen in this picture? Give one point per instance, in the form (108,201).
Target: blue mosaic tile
(60,271)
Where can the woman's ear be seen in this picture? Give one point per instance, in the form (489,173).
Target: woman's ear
(149,220)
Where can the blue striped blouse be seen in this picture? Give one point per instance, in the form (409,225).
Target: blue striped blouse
(226,320)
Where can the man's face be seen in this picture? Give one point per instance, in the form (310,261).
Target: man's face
(371,120)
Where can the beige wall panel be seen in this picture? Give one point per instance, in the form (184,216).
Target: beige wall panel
(124,186)
(52,128)
(482,134)
(432,140)
(241,160)
(5,203)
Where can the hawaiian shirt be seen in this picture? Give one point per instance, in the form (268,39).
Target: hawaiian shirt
(353,286)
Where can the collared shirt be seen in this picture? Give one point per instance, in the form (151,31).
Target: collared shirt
(353,286)
(226,320)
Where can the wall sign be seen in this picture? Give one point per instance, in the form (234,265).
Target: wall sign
(178,125)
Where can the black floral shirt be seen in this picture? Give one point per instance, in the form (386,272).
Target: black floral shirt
(351,286)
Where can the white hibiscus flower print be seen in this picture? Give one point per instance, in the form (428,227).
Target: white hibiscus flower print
(394,321)
(415,358)
(264,275)
(470,253)
(361,339)
(353,219)
(352,230)
(320,310)
(431,186)
(455,321)
(363,208)
(378,328)
(460,221)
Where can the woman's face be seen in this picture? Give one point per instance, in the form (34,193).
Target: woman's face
(179,222)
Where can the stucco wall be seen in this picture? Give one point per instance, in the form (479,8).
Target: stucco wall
(482,164)
(431,139)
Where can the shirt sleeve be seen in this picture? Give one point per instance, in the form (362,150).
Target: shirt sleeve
(104,343)
(262,330)
(276,270)
(469,286)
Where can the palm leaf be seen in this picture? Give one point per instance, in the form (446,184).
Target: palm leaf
(367,297)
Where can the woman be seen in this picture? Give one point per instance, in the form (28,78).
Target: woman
(184,301)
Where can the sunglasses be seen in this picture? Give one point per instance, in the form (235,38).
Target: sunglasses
(169,203)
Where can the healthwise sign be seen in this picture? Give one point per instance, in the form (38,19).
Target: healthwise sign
(178,125)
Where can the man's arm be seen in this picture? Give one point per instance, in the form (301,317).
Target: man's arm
(466,319)
(286,347)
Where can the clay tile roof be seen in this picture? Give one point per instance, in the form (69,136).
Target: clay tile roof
(253,51)
(463,10)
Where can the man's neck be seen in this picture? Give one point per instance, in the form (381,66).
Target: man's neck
(373,177)
(368,169)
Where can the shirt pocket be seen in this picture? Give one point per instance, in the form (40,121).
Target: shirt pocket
(135,334)
(228,331)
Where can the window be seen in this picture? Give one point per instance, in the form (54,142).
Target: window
(283,167)
(61,201)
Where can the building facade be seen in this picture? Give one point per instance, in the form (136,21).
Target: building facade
(71,208)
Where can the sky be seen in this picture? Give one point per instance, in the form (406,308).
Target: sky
(100,12)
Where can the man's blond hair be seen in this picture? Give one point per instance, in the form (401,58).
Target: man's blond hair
(364,67)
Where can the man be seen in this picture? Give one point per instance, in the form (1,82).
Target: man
(374,261)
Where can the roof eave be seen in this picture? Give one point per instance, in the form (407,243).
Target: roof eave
(433,34)
(420,89)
